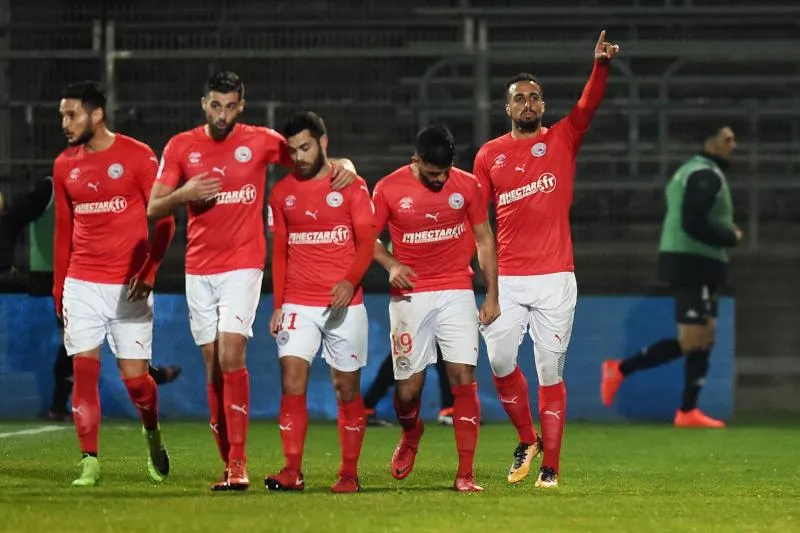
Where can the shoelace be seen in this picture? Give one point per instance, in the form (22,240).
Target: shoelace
(548,474)
(519,454)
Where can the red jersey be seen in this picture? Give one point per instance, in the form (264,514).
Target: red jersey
(101,231)
(322,232)
(228,234)
(431,231)
(531,182)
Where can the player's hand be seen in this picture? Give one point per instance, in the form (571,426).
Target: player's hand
(400,277)
(275,322)
(341,177)
(490,310)
(738,233)
(138,289)
(604,51)
(341,294)
(201,188)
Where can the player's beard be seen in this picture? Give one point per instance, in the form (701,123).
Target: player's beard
(527,126)
(219,132)
(85,136)
(435,186)
(312,169)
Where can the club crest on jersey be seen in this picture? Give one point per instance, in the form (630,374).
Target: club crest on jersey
(195,158)
(402,362)
(115,171)
(406,204)
(243,154)
(282,338)
(335,199)
(499,161)
(456,201)
(290,201)
(74,173)
(538,149)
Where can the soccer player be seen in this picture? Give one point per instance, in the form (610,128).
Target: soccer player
(223,166)
(697,231)
(433,210)
(104,268)
(322,246)
(530,173)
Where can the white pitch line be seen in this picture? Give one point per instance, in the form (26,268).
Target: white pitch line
(33,431)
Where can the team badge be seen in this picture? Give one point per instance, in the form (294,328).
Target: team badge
(402,362)
(195,158)
(335,199)
(499,161)
(74,173)
(290,201)
(243,154)
(538,149)
(116,171)
(407,204)
(282,338)
(456,201)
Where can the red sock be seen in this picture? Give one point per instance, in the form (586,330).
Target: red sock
(407,414)
(144,395)
(466,420)
(217,419)
(352,424)
(552,416)
(512,390)
(86,402)
(236,398)
(293,423)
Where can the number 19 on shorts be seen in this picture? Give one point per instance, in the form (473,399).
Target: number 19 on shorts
(401,344)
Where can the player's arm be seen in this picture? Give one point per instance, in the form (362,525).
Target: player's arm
(362,218)
(166,196)
(581,115)
(399,274)
(480,170)
(487,252)
(62,238)
(702,188)
(280,243)
(143,282)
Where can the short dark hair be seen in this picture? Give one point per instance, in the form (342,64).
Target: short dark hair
(305,120)
(435,146)
(522,76)
(709,131)
(225,82)
(91,94)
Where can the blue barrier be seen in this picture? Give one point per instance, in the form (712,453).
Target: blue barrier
(604,327)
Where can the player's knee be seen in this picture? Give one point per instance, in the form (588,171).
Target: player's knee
(133,368)
(407,392)
(460,374)
(501,361)
(692,338)
(346,385)
(549,366)
(232,349)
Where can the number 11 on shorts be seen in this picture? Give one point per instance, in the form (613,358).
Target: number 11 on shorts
(292,320)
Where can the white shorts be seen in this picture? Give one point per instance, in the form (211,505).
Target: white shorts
(94,311)
(543,305)
(421,320)
(342,333)
(224,302)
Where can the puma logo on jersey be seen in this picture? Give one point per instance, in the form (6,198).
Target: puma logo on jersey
(312,214)
(220,170)
(519,169)
(95,186)
(432,216)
